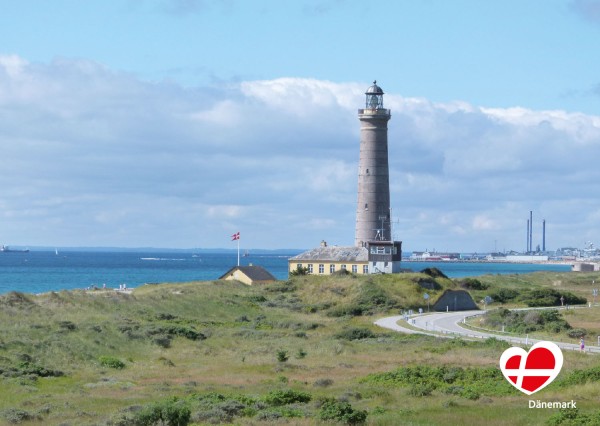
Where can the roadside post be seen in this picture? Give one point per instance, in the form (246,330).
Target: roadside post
(486,301)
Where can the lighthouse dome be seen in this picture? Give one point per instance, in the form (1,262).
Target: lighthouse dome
(374,89)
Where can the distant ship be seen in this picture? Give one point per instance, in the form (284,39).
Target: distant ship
(6,249)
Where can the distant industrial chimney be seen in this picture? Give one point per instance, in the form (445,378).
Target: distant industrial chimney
(530,231)
(544,235)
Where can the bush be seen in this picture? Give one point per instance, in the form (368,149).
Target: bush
(355,334)
(527,321)
(577,333)
(421,389)
(472,284)
(282,355)
(580,377)
(15,415)
(428,283)
(299,271)
(341,412)
(301,353)
(434,273)
(67,325)
(171,412)
(163,341)
(28,368)
(504,295)
(550,297)
(111,362)
(175,330)
(286,396)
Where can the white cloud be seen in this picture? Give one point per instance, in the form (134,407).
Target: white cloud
(95,157)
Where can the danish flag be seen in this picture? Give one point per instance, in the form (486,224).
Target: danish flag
(235,236)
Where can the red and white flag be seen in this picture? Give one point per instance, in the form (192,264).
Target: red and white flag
(235,236)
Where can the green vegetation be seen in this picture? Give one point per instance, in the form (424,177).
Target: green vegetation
(422,380)
(303,352)
(111,362)
(523,322)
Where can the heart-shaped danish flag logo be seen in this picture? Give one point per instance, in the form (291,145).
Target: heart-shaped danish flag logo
(534,370)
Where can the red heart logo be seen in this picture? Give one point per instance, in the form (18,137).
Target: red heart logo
(534,370)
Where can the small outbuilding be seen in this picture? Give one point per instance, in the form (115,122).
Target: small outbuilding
(249,275)
(455,300)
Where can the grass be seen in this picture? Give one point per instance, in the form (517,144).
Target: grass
(215,348)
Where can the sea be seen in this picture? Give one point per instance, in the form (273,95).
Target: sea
(44,271)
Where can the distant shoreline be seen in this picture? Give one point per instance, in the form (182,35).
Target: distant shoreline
(500,262)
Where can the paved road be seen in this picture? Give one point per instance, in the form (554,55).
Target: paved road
(447,324)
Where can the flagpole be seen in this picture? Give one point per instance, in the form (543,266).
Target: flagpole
(238,241)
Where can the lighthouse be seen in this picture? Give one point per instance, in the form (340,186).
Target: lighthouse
(373,207)
(374,251)
(373,211)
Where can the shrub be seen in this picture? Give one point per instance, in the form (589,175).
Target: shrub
(15,415)
(580,377)
(434,273)
(577,333)
(176,330)
(301,353)
(470,393)
(550,297)
(111,362)
(428,283)
(341,412)
(355,334)
(472,284)
(286,396)
(421,389)
(67,325)
(171,412)
(166,317)
(28,368)
(503,295)
(282,355)
(527,321)
(299,271)
(163,341)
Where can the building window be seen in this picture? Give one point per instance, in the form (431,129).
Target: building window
(331,269)
(365,269)
(299,266)
(354,269)
(310,268)
(343,267)
(321,268)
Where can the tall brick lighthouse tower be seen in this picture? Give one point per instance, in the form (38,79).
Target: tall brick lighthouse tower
(373,216)
(374,250)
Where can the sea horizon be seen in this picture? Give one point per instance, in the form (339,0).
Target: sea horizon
(41,271)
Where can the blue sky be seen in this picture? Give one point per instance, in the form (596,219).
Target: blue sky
(175,123)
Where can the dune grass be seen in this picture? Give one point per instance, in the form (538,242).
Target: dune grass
(215,349)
